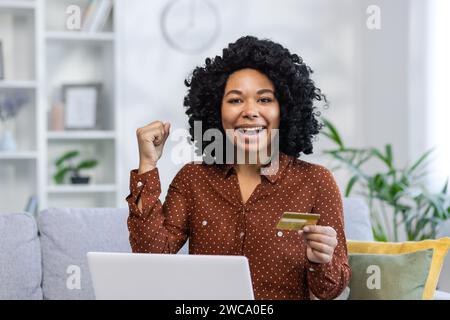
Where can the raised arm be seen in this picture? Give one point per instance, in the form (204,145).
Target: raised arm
(155,227)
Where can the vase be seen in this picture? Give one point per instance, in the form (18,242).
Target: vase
(7,141)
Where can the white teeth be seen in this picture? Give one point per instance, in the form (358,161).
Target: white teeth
(250,130)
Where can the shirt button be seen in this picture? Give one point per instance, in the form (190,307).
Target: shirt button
(204,222)
(311,269)
(242,234)
(139,184)
(280,233)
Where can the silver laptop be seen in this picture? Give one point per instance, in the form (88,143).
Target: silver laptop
(169,276)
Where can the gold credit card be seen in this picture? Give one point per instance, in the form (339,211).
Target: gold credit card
(296,220)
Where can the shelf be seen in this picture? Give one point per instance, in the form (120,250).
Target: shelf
(97,188)
(44,55)
(18,155)
(81,135)
(17,4)
(79,36)
(17,84)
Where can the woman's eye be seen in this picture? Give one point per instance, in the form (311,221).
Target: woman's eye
(266,100)
(234,101)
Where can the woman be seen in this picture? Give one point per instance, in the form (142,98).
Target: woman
(256,88)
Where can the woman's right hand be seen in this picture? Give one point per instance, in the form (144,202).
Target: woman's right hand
(151,139)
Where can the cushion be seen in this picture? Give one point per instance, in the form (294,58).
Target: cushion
(383,276)
(371,249)
(66,236)
(443,230)
(20,257)
(441,295)
(357,220)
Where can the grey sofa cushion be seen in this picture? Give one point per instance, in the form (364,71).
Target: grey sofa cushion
(66,236)
(444,279)
(20,257)
(357,220)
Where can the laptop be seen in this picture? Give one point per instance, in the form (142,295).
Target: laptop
(146,276)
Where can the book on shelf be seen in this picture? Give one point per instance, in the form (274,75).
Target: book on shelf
(89,14)
(96,15)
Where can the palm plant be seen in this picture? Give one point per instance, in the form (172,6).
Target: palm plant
(398,198)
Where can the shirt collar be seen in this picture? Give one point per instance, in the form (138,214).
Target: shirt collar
(272,175)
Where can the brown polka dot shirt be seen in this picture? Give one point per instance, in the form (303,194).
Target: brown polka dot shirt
(204,204)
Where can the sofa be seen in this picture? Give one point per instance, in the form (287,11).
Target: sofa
(45,257)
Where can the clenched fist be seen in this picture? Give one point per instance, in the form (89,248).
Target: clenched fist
(151,139)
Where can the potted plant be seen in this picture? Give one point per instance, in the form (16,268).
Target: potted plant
(65,164)
(400,203)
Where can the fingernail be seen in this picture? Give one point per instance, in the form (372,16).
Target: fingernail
(306,229)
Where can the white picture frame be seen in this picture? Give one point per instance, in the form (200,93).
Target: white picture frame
(80,106)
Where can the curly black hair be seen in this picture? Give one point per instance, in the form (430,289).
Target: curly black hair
(294,90)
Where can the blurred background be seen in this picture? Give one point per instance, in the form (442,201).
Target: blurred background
(78,77)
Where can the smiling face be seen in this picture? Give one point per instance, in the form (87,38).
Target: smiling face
(250,109)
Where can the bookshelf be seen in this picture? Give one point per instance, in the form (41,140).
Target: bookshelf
(82,135)
(20,84)
(78,36)
(43,56)
(18,155)
(18,168)
(83,189)
(17,4)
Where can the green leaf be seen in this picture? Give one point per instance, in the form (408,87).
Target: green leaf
(378,182)
(421,223)
(445,188)
(59,176)
(333,133)
(386,159)
(354,168)
(420,161)
(68,155)
(365,156)
(389,156)
(395,189)
(436,202)
(350,185)
(87,164)
(379,234)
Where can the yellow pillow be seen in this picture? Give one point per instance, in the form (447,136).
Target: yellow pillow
(440,246)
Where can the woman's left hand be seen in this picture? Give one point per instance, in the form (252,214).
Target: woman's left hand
(321,242)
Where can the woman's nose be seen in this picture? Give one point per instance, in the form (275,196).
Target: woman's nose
(250,110)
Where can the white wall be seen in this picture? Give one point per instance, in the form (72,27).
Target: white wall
(437,87)
(383,68)
(364,73)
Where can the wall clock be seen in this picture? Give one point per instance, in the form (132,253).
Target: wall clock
(190,26)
